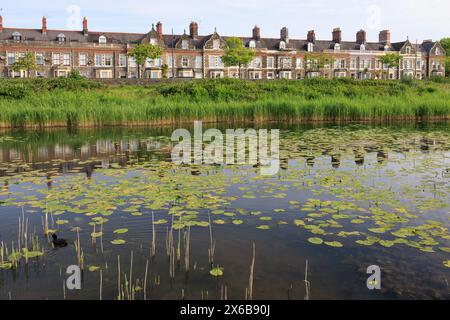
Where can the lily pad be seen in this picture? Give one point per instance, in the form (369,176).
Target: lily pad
(315,240)
(121,231)
(335,244)
(216,272)
(118,242)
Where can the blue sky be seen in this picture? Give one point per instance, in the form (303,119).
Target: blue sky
(417,19)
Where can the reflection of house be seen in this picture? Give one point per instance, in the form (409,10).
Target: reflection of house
(103,55)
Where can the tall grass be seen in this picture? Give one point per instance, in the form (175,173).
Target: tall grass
(221,101)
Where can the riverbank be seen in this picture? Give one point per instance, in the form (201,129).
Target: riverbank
(43,103)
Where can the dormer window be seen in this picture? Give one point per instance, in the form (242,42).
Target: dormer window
(252,44)
(386,48)
(438,51)
(102,40)
(216,44)
(337,47)
(17,36)
(61,37)
(362,48)
(310,47)
(408,50)
(282,45)
(185,44)
(153,41)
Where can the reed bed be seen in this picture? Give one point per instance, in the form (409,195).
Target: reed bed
(227,101)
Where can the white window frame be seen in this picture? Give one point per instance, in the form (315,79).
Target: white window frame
(11,58)
(40,60)
(56,59)
(66,59)
(82,59)
(198,62)
(122,60)
(270,62)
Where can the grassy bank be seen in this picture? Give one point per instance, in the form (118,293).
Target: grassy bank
(82,103)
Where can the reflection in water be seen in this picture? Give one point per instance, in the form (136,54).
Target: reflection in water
(379,192)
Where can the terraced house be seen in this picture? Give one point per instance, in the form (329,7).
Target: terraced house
(103,55)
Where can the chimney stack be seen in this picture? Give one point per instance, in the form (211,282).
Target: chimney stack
(44,25)
(193,30)
(385,37)
(1,24)
(159,29)
(256,33)
(311,36)
(337,35)
(361,37)
(284,34)
(85,26)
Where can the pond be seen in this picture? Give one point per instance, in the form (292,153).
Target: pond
(347,197)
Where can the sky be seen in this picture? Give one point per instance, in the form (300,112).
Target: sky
(416,19)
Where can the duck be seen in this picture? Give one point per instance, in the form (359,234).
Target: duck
(58,242)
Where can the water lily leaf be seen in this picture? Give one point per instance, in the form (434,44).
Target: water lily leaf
(447,263)
(62,222)
(96,234)
(118,241)
(216,272)
(299,223)
(263,227)
(386,243)
(445,249)
(315,240)
(335,244)
(238,222)
(94,268)
(6,265)
(121,231)
(219,221)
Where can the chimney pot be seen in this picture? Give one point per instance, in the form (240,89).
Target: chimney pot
(337,35)
(361,37)
(44,25)
(284,34)
(311,36)
(1,24)
(193,30)
(85,26)
(385,37)
(256,33)
(159,29)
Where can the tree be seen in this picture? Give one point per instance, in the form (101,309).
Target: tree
(236,54)
(391,60)
(445,43)
(317,61)
(142,52)
(27,62)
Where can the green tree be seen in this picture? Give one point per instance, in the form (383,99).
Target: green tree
(314,62)
(142,52)
(27,62)
(391,60)
(236,54)
(445,43)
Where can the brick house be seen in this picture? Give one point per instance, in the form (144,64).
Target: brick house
(103,55)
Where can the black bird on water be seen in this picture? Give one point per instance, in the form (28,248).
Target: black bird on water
(58,242)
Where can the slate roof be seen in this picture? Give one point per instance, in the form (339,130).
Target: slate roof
(199,42)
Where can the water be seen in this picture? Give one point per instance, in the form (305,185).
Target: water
(375,195)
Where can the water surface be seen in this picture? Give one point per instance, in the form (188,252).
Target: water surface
(369,194)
